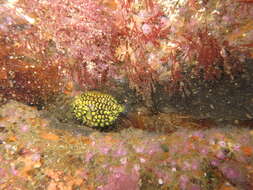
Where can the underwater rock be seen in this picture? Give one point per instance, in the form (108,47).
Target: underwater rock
(32,148)
(223,100)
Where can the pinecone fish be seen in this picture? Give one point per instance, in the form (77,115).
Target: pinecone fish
(96,109)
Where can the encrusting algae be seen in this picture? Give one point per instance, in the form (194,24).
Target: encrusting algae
(96,109)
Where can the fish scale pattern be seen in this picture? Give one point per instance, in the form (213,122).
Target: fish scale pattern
(96,109)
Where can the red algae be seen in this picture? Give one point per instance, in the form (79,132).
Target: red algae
(28,73)
(143,42)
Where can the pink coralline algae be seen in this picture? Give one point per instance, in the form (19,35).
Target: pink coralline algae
(24,128)
(221,155)
(215,163)
(122,179)
(237,175)
(104,161)
(184,182)
(120,151)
